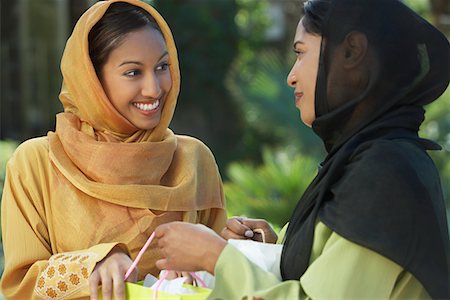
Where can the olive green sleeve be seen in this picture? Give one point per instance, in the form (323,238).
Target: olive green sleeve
(238,278)
(339,269)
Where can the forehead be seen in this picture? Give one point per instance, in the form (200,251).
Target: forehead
(300,31)
(302,36)
(142,42)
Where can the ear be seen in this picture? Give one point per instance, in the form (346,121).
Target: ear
(355,47)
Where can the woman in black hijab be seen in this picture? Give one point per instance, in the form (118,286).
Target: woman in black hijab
(372,223)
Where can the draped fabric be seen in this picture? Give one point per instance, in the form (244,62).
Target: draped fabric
(377,186)
(98,182)
(101,153)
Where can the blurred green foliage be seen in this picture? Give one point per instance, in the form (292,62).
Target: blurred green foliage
(6,150)
(207,40)
(272,189)
(437,128)
(268,105)
(422,7)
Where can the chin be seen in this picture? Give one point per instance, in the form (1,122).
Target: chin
(148,127)
(145,126)
(307,121)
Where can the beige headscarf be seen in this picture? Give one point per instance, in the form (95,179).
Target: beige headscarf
(105,156)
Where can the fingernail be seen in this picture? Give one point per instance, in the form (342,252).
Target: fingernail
(249,234)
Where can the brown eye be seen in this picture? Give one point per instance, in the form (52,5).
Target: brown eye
(132,73)
(162,67)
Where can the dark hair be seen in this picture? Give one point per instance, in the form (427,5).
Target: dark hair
(119,19)
(316,12)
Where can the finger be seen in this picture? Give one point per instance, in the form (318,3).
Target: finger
(256,223)
(258,237)
(161,264)
(228,234)
(189,279)
(237,227)
(106,288)
(94,280)
(224,233)
(160,230)
(239,219)
(133,276)
(171,275)
(119,286)
(259,224)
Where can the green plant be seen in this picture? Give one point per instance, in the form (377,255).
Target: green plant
(422,7)
(206,37)
(6,150)
(267,104)
(271,190)
(437,128)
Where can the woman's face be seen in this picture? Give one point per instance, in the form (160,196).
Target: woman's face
(303,74)
(136,77)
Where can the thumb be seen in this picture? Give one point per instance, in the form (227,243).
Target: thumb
(160,230)
(161,264)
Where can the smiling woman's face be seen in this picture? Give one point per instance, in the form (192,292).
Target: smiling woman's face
(136,77)
(303,75)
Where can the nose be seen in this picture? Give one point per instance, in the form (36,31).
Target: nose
(151,87)
(291,79)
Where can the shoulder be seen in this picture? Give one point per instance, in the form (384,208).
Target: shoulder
(193,146)
(400,160)
(32,147)
(367,267)
(389,151)
(33,151)
(388,175)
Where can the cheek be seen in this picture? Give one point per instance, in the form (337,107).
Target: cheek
(118,91)
(166,82)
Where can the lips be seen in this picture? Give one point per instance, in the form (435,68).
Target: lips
(298,96)
(147,107)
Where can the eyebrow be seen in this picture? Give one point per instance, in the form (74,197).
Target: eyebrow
(139,63)
(298,42)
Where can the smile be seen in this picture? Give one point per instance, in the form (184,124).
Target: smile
(298,96)
(147,106)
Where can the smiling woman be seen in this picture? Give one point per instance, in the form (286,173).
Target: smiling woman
(136,77)
(85,198)
(304,72)
(133,69)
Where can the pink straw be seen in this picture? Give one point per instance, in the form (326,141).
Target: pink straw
(163,277)
(158,284)
(135,262)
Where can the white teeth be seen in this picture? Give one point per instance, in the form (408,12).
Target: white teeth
(147,107)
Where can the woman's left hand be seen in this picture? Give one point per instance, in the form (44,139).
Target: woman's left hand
(188,247)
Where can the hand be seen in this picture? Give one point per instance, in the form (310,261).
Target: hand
(243,229)
(188,247)
(176,274)
(109,273)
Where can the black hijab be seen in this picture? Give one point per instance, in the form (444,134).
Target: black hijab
(377,186)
